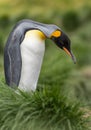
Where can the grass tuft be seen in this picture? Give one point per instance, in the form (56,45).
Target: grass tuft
(46,109)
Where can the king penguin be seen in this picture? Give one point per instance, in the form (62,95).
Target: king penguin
(24,51)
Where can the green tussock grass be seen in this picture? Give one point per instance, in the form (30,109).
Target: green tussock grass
(46,109)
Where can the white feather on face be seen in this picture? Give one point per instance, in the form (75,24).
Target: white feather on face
(32,52)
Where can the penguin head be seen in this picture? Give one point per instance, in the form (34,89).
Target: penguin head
(63,42)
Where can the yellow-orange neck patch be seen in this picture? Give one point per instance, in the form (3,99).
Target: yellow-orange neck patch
(35,32)
(57,33)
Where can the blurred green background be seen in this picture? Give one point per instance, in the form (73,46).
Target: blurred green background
(72,16)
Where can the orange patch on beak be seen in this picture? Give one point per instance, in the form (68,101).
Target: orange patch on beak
(70,54)
(67,51)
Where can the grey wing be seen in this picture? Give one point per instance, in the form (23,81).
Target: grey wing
(12,60)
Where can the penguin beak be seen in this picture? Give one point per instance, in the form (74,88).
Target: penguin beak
(70,54)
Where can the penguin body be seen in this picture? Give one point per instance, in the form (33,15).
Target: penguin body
(32,52)
(24,51)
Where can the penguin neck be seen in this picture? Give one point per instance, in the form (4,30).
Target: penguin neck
(32,52)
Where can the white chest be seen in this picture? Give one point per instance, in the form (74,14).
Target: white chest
(32,52)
